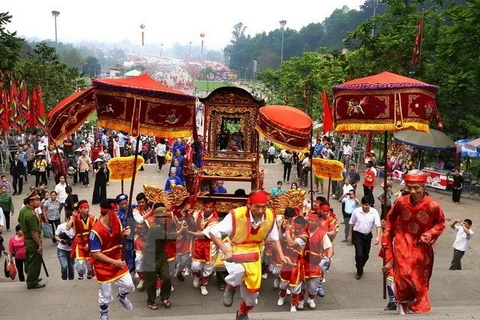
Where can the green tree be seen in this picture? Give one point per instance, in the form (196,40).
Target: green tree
(10,44)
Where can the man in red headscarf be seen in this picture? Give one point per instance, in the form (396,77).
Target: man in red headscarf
(247,228)
(204,251)
(413,225)
(105,244)
(82,222)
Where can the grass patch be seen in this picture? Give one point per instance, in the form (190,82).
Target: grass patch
(209,86)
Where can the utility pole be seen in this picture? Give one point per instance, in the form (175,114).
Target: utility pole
(282,24)
(55,14)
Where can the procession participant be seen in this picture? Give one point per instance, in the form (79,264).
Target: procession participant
(292,275)
(318,248)
(141,213)
(204,251)
(82,222)
(184,243)
(247,227)
(392,304)
(276,264)
(105,243)
(33,239)
(172,180)
(363,221)
(122,213)
(156,258)
(413,226)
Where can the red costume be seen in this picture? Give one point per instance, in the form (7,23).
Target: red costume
(202,246)
(111,247)
(294,274)
(413,259)
(82,229)
(314,253)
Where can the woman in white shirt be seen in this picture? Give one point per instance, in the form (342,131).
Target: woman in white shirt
(161,151)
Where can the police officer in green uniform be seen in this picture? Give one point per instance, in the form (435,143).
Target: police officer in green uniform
(33,239)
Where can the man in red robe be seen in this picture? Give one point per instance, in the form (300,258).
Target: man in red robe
(105,244)
(413,225)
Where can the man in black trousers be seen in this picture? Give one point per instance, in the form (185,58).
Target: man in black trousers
(361,225)
(17,170)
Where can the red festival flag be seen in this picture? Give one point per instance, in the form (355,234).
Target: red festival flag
(327,114)
(32,110)
(418,42)
(4,111)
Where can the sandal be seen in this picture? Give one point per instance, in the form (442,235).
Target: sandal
(166,303)
(153,306)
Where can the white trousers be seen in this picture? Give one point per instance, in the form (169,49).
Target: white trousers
(312,284)
(294,289)
(138,262)
(236,274)
(274,270)
(82,267)
(206,269)
(125,286)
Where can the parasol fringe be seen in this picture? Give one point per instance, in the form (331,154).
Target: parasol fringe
(380,127)
(280,143)
(158,133)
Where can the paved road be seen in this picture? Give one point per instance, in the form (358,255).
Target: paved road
(455,294)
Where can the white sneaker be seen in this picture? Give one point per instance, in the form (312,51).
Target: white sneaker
(127,304)
(186,272)
(281,301)
(289,292)
(293,309)
(311,303)
(172,289)
(196,282)
(141,284)
(104,316)
(203,290)
(276,283)
(264,275)
(301,304)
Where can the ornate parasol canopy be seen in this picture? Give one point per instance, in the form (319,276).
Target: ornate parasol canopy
(141,105)
(384,102)
(287,126)
(433,140)
(70,114)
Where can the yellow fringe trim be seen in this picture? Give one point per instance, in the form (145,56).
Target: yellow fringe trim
(327,169)
(121,168)
(157,132)
(281,143)
(380,127)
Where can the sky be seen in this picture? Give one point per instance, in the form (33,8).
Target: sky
(166,22)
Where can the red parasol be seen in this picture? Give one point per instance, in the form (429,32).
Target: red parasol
(286,126)
(384,102)
(70,114)
(141,105)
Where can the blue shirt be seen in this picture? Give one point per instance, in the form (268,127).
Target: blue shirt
(171,181)
(350,204)
(94,241)
(121,139)
(180,160)
(318,150)
(276,191)
(221,189)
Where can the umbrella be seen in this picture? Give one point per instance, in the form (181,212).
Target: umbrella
(141,105)
(70,114)
(433,140)
(474,145)
(384,102)
(287,126)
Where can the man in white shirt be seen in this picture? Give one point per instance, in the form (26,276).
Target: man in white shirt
(460,246)
(61,193)
(161,151)
(247,228)
(271,154)
(362,223)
